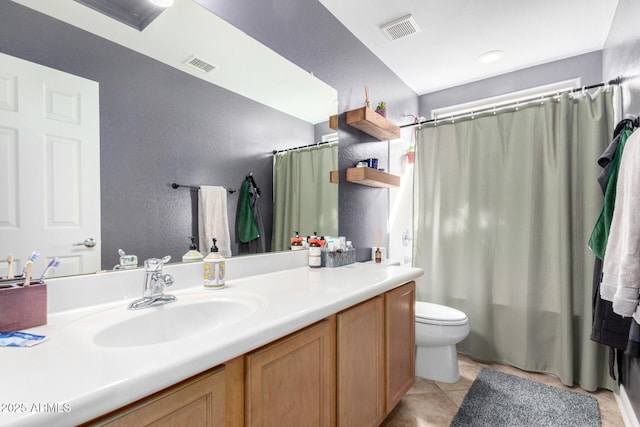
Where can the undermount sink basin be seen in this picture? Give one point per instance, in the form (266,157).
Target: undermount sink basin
(175,321)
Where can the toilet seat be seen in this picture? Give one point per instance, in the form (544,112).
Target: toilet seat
(436,314)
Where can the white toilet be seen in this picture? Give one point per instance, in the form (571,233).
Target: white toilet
(438,329)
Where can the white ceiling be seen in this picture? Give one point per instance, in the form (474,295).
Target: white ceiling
(456,32)
(187,29)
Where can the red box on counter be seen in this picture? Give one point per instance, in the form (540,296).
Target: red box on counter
(23,307)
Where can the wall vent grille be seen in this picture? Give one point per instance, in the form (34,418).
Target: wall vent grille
(200,64)
(400,28)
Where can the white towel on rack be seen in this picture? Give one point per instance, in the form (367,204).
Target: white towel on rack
(212,219)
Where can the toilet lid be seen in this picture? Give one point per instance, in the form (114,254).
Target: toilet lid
(437,314)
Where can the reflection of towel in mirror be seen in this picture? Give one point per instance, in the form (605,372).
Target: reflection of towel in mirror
(246,223)
(212,220)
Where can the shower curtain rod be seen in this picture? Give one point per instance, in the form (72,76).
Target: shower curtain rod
(494,109)
(317,144)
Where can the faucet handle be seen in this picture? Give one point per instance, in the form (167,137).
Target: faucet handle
(155,264)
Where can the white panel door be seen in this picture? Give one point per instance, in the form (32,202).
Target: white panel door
(49,168)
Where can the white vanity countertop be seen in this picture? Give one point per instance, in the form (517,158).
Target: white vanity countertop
(69,379)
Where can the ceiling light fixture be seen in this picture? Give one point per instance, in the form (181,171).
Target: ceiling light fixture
(491,56)
(162,3)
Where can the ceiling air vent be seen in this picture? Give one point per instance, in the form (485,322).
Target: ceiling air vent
(200,64)
(400,28)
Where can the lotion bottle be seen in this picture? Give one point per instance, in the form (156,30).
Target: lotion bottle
(193,255)
(296,242)
(315,252)
(214,269)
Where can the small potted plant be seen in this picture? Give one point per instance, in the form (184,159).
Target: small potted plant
(410,154)
(382,108)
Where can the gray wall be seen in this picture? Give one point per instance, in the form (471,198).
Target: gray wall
(587,66)
(621,57)
(157,125)
(304,32)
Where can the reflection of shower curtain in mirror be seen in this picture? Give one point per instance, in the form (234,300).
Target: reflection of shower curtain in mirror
(303,198)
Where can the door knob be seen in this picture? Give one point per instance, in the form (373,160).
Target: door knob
(89,242)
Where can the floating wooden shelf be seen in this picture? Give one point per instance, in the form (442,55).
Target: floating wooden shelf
(372,177)
(372,123)
(334,177)
(333,122)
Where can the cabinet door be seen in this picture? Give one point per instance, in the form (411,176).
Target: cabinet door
(291,382)
(234,392)
(193,403)
(361,364)
(399,343)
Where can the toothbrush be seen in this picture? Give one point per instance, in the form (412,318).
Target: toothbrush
(10,266)
(53,264)
(28,267)
(34,256)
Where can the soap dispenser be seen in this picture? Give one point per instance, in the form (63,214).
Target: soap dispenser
(214,266)
(193,255)
(315,251)
(296,242)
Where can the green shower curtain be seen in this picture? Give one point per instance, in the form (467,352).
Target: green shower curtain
(503,207)
(303,198)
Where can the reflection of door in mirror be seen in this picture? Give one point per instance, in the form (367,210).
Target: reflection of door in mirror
(49,121)
(304,198)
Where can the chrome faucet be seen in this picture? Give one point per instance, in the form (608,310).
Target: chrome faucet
(154,284)
(126,261)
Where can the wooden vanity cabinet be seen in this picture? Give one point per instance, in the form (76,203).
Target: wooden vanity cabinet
(196,402)
(291,382)
(376,356)
(400,339)
(360,340)
(234,373)
(349,370)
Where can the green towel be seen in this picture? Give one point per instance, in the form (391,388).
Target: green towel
(246,226)
(600,233)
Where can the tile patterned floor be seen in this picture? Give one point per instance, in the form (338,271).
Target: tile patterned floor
(434,404)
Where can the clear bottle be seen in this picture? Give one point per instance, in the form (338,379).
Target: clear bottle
(193,255)
(315,252)
(214,269)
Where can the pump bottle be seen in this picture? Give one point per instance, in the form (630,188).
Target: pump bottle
(214,269)
(296,242)
(315,252)
(193,255)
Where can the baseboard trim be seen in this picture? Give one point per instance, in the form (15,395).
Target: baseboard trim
(626,410)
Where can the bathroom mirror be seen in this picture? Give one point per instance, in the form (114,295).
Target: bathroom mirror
(163,121)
